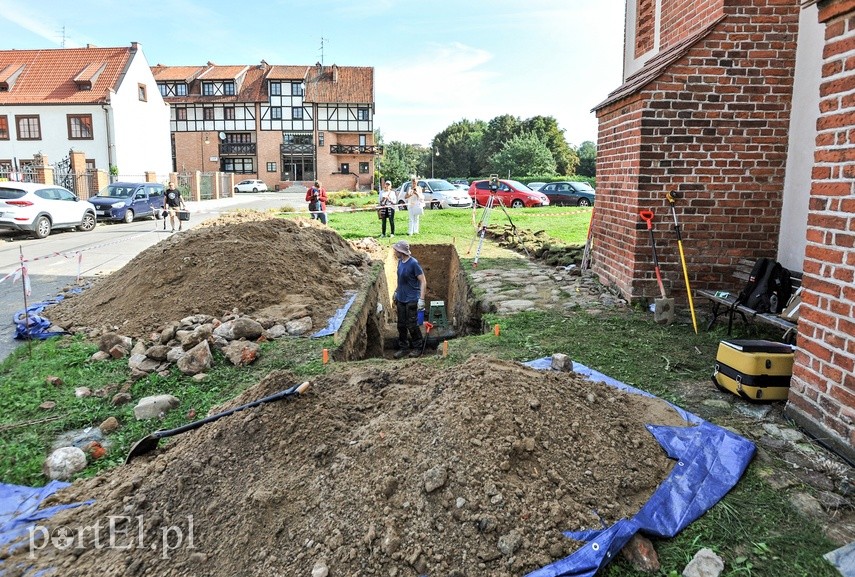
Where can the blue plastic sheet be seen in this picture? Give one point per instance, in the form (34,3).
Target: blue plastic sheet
(710,461)
(29,324)
(336,320)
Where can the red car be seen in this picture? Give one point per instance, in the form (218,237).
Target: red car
(510,193)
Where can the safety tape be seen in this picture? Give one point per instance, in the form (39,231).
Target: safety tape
(19,273)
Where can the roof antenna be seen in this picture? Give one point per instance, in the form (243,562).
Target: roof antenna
(323,42)
(62,42)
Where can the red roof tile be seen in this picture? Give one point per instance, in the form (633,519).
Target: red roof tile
(223,72)
(176,73)
(49,75)
(345,84)
(287,72)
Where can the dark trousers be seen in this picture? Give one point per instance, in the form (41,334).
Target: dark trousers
(409,333)
(390,216)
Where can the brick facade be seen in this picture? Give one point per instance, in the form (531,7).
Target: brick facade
(822,394)
(707,118)
(680,18)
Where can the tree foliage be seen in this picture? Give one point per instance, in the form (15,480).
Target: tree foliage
(456,150)
(523,154)
(399,161)
(587,159)
(547,130)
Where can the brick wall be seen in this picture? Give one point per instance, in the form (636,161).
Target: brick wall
(681,17)
(713,126)
(645,26)
(822,393)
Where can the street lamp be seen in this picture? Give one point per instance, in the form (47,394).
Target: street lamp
(435,153)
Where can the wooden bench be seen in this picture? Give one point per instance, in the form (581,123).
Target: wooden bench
(723,303)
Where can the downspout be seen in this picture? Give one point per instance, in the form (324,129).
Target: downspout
(109,142)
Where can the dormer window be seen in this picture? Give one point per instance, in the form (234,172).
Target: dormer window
(207,89)
(89,75)
(9,75)
(229,88)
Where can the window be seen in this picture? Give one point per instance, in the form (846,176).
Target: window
(363,168)
(297,113)
(296,89)
(29,127)
(207,114)
(320,139)
(164,89)
(229,88)
(238,165)
(362,114)
(4,128)
(181,90)
(79,126)
(345,168)
(207,89)
(296,138)
(276,113)
(271,167)
(275,89)
(141,92)
(181,113)
(229,112)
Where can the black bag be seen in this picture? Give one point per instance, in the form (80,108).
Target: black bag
(315,206)
(757,272)
(771,292)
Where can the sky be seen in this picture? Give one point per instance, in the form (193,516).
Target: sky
(435,62)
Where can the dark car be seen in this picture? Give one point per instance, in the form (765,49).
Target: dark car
(569,193)
(126,201)
(510,193)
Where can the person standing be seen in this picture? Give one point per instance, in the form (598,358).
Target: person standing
(409,299)
(387,208)
(172,202)
(316,196)
(415,205)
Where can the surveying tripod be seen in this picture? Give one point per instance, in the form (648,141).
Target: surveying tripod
(481,228)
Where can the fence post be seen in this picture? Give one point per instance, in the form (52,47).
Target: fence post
(78,171)
(102,179)
(150,176)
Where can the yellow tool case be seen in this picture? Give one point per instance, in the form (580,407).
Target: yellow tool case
(756,370)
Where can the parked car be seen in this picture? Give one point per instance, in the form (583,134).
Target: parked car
(460,181)
(251,185)
(41,208)
(438,193)
(461,186)
(510,193)
(569,193)
(126,201)
(535,185)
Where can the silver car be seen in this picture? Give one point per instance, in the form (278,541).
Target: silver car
(438,193)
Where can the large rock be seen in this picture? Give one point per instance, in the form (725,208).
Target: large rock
(197,360)
(111,340)
(241,352)
(705,563)
(276,332)
(194,337)
(241,328)
(157,352)
(63,463)
(299,326)
(155,406)
(143,364)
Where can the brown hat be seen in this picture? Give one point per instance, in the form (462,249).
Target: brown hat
(402,247)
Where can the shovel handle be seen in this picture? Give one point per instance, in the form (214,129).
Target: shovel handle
(647,216)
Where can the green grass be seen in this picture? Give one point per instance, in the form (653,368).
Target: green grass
(754,528)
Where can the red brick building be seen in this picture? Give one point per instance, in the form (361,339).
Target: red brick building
(722,102)
(280,124)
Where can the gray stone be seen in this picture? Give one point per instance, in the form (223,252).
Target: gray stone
(508,544)
(155,406)
(754,411)
(167,334)
(320,568)
(138,348)
(240,328)
(143,364)
(191,339)
(109,340)
(241,352)
(118,351)
(277,331)
(435,478)
(120,399)
(63,463)
(101,356)
(197,360)
(109,425)
(561,362)
(174,354)
(515,306)
(299,327)
(705,563)
(194,320)
(806,505)
(157,352)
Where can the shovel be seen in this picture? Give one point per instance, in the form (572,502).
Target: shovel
(149,443)
(663,308)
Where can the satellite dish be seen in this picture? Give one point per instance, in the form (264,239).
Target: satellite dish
(222,135)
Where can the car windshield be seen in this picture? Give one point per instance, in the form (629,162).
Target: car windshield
(117,191)
(439,185)
(518,185)
(584,187)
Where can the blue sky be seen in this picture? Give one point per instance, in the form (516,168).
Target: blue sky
(436,62)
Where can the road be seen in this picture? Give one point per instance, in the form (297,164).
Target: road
(56,261)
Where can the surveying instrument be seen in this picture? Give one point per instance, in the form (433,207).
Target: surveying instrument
(481,228)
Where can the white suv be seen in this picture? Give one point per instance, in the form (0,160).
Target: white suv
(250,186)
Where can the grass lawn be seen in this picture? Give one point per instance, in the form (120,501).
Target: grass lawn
(753,528)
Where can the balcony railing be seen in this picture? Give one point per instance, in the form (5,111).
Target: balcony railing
(355,149)
(243,148)
(296,148)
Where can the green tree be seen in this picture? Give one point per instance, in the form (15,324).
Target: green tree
(399,161)
(547,130)
(456,150)
(587,159)
(524,154)
(498,132)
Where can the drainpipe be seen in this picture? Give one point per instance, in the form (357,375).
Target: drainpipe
(109,141)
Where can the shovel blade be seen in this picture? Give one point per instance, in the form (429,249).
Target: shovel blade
(141,447)
(663,311)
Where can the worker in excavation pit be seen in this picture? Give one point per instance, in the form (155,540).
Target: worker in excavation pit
(409,299)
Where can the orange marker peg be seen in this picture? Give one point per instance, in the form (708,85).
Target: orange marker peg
(326,356)
(496,329)
(445,348)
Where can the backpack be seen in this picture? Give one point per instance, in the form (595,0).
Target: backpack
(757,272)
(771,291)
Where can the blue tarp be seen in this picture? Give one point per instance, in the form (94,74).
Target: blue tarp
(336,320)
(29,323)
(710,461)
(19,509)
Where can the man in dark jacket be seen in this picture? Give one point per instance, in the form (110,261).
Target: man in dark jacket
(409,300)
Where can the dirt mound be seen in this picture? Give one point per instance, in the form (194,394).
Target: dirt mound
(405,470)
(239,263)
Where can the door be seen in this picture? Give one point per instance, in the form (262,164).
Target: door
(64,207)
(155,197)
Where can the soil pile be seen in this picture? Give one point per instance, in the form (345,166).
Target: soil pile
(241,263)
(404,470)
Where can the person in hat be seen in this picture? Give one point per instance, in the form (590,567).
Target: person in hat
(316,196)
(409,299)
(387,208)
